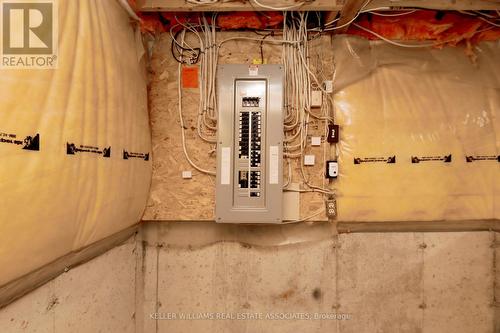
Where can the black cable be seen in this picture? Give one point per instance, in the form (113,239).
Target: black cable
(173,53)
(180,48)
(261,46)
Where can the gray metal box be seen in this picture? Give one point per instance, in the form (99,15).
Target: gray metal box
(250,144)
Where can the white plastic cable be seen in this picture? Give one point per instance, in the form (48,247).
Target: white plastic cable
(278,8)
(129,10)
(393,42)
(181,120)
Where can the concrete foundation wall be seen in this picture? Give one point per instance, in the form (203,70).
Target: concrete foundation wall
(98,296)
(380,282)
(383,282)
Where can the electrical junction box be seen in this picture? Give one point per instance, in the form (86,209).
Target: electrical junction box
(316,141)
(328,86)
(316,98)
(333,133)
(309,159)
(250,144)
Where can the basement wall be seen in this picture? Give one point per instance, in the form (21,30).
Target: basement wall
(173,198)
(433,111)
(383,282)
(98,296)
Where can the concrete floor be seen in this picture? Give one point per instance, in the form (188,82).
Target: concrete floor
(382,282)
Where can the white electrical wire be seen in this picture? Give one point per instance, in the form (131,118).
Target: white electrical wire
(484,14)
(489,22)
(207,116)
(275,41)
(299,78)
(192,51)
(289,174)
(181,120)
(361,11)
(202,2)
(350,21)
(422,45)
(129,10)
(393,42)
(305,218)
(298,75)
(206,120)
(391,15)
(278,8)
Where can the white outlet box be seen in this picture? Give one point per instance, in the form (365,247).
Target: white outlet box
(331,208)
(309,159)
(316,141)
(187,174)
(316,98)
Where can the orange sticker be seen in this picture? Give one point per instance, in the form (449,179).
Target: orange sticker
(190,77)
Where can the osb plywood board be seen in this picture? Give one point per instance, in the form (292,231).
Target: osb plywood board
(175,198)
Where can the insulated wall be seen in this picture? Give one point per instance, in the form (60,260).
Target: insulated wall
(420,132)
(392,104)
(88,175)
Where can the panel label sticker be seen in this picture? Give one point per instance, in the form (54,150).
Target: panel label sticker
(72,149)
(225,168)
(129,154)
(190,77)
(418,159)
(273,164)
(472,158)
(390,159)
(253,70)
(28,143)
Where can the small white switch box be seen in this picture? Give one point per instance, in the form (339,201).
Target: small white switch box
(187,174)
(316,141)
(309,159)
(328,86)
(316,98)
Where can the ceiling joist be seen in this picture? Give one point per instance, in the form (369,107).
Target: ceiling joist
(237,5)
(311,5)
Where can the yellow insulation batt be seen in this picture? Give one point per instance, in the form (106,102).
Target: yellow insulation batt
(435,114)
(75,147)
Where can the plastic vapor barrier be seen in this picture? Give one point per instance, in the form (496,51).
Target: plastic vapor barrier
(74,141)
(419,132)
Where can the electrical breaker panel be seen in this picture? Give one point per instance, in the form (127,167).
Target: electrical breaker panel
(250,144)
